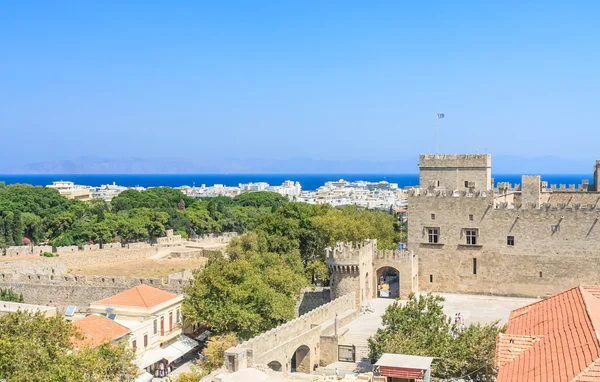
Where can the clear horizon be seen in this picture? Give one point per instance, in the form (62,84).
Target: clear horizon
(331,81)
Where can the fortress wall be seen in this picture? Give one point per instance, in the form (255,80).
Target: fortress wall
(18,250)
(68,249)
(80,290)
(275,337)
(310,299)
(140,244)
(566,257)
(112,246)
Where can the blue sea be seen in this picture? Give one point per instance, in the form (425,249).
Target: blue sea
(308,181)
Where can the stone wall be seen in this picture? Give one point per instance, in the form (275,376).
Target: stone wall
(311,298)
(112,246)
(68,249)
(140,244)
(91,247)
(18,250)
(450,172)
(354,269)
(279,344)
(554,248)
(79,290)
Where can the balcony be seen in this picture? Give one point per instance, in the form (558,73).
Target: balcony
(166,335)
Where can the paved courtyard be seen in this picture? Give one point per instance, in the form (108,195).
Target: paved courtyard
(482,309)
(474,308)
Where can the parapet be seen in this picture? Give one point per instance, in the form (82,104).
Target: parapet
(297,326)
(348,253)
(102,281)
(455,161)
(392,254)
(67,249)
(424,192)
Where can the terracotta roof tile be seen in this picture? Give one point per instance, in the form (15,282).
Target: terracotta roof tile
(509,346)
(97,330)
(142,295)
(566,345)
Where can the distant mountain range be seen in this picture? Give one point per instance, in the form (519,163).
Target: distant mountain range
(501,164)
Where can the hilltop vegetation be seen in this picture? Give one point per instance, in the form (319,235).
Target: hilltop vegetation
(38,214)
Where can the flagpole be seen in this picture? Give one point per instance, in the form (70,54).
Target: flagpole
(437,119)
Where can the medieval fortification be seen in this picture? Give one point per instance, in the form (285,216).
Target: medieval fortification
(529,239)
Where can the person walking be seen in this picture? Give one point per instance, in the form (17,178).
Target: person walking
(337,372)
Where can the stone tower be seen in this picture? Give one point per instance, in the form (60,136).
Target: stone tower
(456,172)
(350,269)
(358,267)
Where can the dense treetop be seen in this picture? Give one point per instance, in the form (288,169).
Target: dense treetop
(420,327)
(38,348)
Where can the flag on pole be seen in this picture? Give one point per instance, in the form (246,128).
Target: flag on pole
(440,115)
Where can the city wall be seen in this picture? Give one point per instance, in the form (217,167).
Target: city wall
(303,334)
(555,246)
(79,290)
(312,298)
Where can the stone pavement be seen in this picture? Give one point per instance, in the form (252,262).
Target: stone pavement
(474,308)
(482,309)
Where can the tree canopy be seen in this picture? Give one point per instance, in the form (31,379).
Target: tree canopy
(37,348)
(251,292)
(420,327)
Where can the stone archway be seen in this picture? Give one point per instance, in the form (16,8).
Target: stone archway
(274,365)
(388,282)
(301,360)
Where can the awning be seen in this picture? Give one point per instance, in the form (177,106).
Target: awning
(179,348)
(144,377)
(150,357)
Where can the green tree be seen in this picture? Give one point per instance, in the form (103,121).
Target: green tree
(260,199)
(249,293)
(33,227)
(420,327)
(7,294)
(37,348)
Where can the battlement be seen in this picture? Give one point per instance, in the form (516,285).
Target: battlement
(348,253)
(300,324)
(424,192)
(505,187)
(455,161)
(391,254)
(173,281)
(583,187)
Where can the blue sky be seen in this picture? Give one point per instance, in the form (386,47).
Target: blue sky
(344,80)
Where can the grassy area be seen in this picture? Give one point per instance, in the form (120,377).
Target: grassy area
(139,268)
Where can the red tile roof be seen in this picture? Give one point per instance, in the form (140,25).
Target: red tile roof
(566,346)
(143,296)
(96,330)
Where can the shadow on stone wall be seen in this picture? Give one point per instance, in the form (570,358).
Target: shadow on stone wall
(311,299)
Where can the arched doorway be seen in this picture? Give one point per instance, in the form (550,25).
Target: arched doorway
(274,365)
(301,360)
(388,282)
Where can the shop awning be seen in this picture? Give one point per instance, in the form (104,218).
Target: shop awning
(150,357)
(144,377)
(179,348)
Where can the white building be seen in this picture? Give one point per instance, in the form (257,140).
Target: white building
(154,318)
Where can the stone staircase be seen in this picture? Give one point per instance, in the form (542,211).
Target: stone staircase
(358,335)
